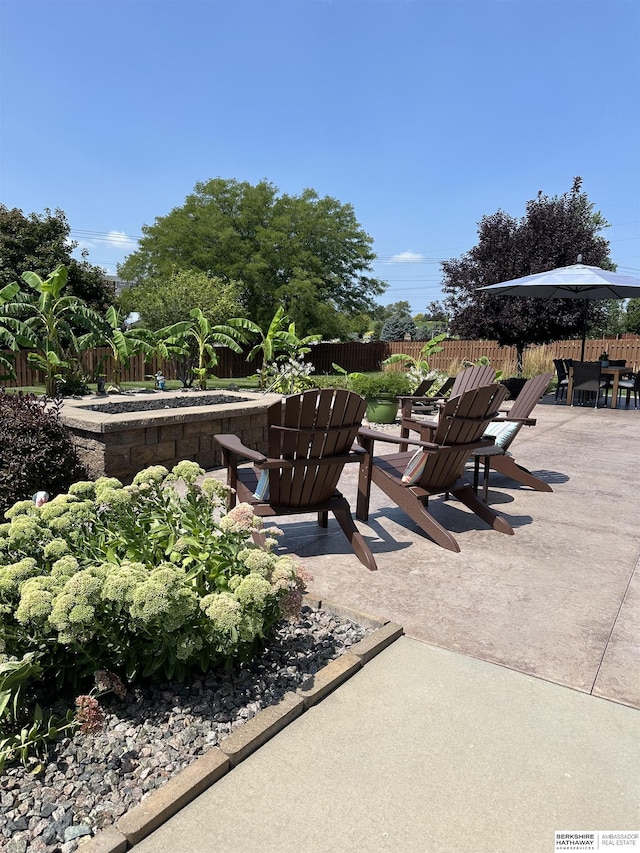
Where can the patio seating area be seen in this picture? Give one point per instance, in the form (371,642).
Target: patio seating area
(508,712)
(558,600)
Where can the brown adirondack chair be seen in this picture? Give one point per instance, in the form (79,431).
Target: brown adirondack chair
(410,479)
(423,387)
(504,431)
(419,403)
(467,379)
(310,439)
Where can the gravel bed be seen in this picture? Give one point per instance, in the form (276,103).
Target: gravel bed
(91,780)
(157,403)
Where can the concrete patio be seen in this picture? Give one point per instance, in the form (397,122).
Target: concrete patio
(508,712)
(559,600)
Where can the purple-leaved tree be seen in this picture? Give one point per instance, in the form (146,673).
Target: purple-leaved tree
(554,231)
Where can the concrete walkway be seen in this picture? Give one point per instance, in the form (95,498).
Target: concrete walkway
(510,709)
(424,750)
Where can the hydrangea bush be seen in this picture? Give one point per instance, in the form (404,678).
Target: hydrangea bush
(148,580)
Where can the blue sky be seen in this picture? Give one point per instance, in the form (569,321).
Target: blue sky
(423,115)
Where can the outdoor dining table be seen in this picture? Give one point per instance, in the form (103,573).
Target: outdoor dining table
(604,371)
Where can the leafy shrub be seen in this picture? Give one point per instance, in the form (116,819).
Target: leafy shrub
(418,367)
(24,727)
(330,381)
(74,381)
(385,382)
(154,579)
(36,450)
(147,579)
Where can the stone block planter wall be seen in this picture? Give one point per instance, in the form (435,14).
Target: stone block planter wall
(120,445)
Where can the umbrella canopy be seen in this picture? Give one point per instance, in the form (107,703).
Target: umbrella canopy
(573,282)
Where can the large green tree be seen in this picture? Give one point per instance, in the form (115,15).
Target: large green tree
(632,317)
(41,242)
(163,301)
(554,231)
(305,253)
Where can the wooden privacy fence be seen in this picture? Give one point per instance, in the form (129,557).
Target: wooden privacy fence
(454,352)
(353,357)
(230,365)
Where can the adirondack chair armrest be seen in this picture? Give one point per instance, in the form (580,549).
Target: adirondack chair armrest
(421,422)
(453,448)
(523,421)
(369,436)
(407,404)
(423,398)
(233,444)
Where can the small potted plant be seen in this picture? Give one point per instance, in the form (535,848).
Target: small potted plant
(381,391)
(603,358)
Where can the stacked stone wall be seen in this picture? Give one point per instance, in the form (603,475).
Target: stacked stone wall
(122,450)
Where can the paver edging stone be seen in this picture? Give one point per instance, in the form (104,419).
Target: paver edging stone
(185,786)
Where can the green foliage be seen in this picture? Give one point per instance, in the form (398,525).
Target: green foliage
(632,317)
(36,450)
(167,300)
(611,319)
(418,368)
(124,343)
(306,253)
(199,336)
(396,328)
(41,242)
(289,377)
(402,308)
(279,342)
(149,580)
(12,331)
(552,234)
(48,320)
(386,382)
(24,728)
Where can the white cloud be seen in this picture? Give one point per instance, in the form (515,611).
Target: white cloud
(119,240)
(406,257)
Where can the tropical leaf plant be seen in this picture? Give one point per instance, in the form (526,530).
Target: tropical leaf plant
(12,333)
(418,366)
(279,342)
(124,343)
(47,321)
(200,335)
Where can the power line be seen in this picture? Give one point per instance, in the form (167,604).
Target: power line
(117,235)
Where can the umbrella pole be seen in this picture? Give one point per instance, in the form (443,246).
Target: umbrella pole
(584,328)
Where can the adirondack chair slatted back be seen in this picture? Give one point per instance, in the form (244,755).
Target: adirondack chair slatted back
(531,393)
(423,387)
(311,426)
(473,377)
(462,420)
(446,386)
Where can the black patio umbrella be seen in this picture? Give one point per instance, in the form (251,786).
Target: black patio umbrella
(573,282)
